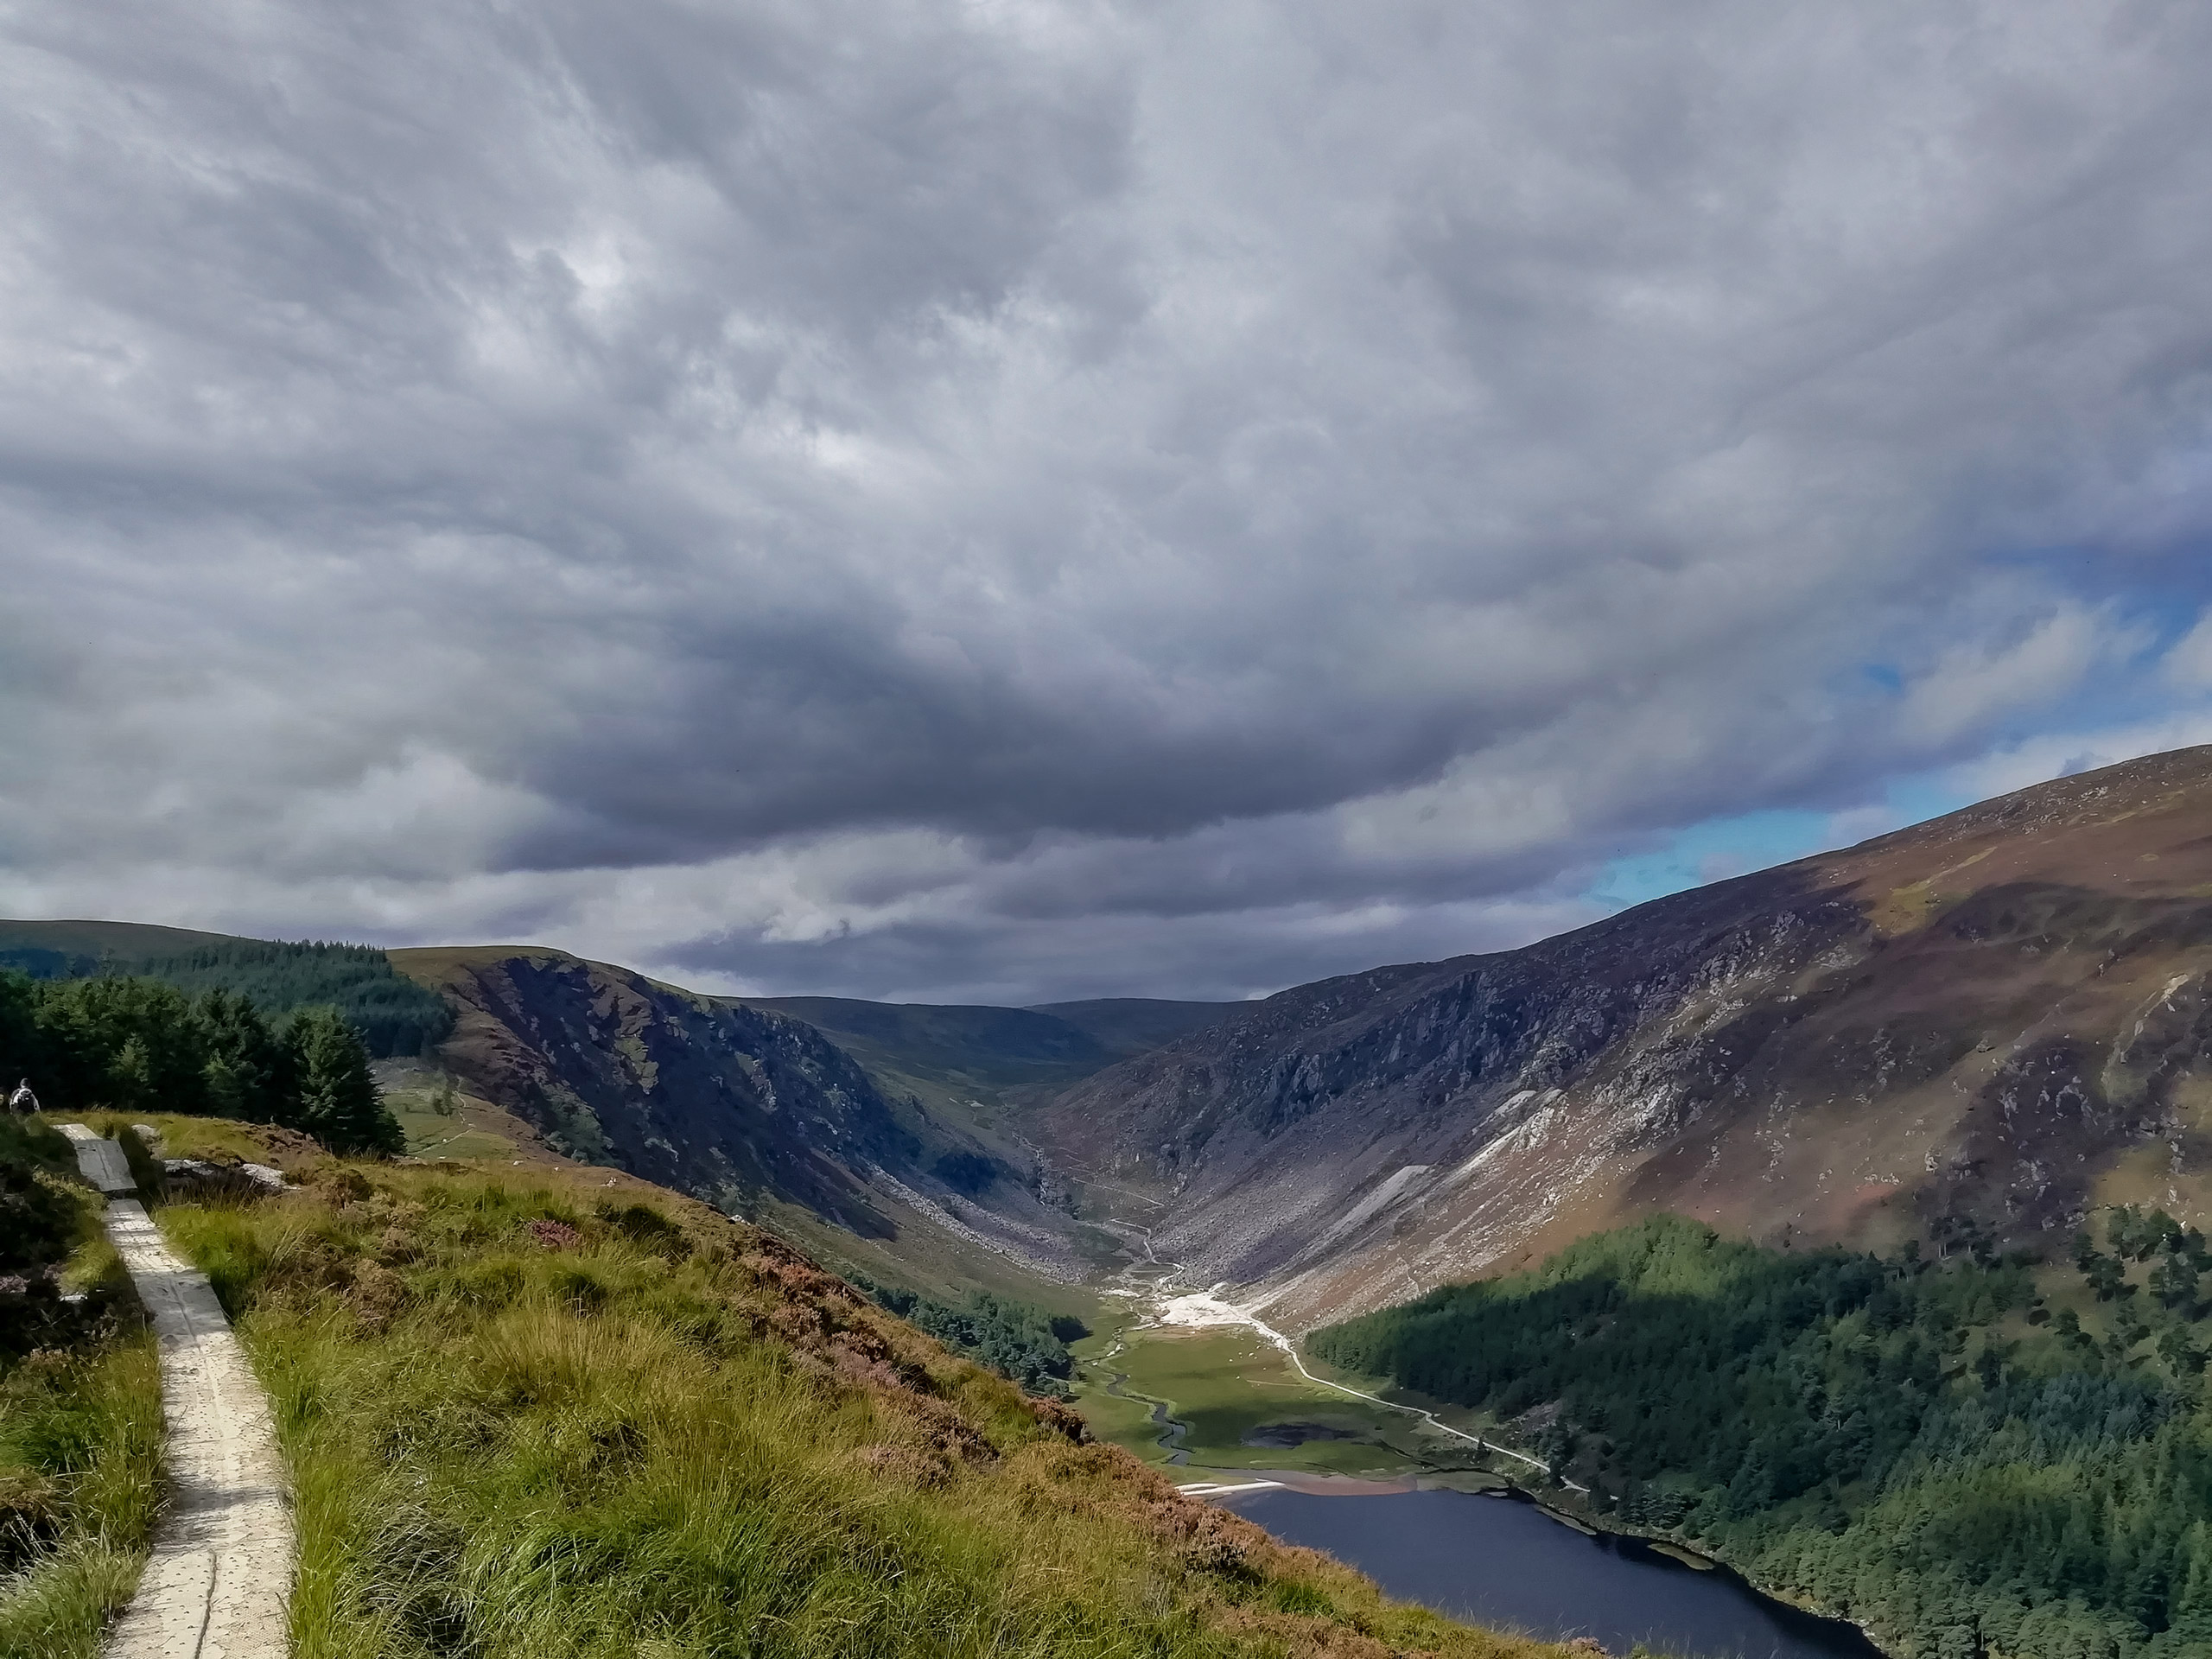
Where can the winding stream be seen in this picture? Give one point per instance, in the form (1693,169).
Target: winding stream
(1175,1429)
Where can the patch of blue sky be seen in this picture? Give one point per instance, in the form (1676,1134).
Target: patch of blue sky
(2122,691)
(1911,800)
(2124,687)
(2172,590)
(1720,847)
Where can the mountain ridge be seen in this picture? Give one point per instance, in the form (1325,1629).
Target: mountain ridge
(48,950)
(1971,1022)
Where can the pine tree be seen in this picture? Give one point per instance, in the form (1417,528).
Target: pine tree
(246,1072)
(2192,1614)
(2107,1276)
(130,1077)
(338,1100)
(133,1044)
(393,1014)
(2179,1353)
(227,1093)
(2174,1281)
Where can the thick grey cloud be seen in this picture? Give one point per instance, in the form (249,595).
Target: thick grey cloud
(1024,499)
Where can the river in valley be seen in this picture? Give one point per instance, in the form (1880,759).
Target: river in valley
(1504,1563)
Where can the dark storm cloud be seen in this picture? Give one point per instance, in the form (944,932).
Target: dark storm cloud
(1033,499)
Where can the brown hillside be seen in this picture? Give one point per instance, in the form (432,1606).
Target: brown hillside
(1987,1021)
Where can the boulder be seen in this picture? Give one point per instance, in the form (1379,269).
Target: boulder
(195,1177)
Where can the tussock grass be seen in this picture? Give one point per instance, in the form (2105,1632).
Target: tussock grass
(80,1442)
(523,1423)
(45,1210)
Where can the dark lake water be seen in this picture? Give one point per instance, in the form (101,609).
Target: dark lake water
(1499,1562)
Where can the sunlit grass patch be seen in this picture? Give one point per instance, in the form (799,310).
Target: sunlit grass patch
(523,1423)
(1227,1382)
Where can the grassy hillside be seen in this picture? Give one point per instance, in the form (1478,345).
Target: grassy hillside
(551,1412)
(446,1122)
(752,1110)
(80,1420)
(56,950)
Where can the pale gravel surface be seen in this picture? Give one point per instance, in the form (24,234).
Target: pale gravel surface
(220,1575)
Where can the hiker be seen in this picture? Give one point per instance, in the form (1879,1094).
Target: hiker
(23,1099)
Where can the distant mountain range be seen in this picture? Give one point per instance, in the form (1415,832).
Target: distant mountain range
(999,1055)
(1977,1027)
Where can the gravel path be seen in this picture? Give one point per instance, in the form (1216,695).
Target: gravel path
(221,1571)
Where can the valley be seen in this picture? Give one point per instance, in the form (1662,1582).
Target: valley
(1227,1387)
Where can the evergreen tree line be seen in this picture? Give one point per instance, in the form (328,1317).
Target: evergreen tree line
(138,1045)
(1917,1446)
(1022,1344)
(393,1014)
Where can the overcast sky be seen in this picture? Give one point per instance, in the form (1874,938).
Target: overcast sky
(1006,501)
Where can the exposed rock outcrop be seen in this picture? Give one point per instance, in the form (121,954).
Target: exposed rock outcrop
(732,1105)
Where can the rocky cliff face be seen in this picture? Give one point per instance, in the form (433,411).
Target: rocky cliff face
(732,1105)
(1973,1027)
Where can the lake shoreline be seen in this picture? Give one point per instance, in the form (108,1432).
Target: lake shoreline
(1254,1482)
(1190,1314)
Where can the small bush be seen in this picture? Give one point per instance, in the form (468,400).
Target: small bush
(80,1437)
(43,1214)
